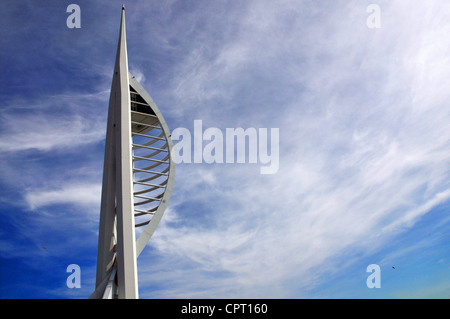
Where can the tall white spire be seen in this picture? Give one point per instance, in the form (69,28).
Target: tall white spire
(126,239)
(117,231)
(138,177)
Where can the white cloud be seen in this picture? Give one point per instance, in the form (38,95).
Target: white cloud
(61,121)
(363,147)
(73,194)
(48,133)
(412,215)
(139,75)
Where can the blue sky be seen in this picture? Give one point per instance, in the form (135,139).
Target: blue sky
(364,146)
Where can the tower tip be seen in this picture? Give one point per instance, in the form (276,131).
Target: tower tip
(123,7)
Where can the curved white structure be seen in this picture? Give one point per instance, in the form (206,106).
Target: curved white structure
(154,171)
(138,177)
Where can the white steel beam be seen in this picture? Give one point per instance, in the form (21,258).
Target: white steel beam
(126,238)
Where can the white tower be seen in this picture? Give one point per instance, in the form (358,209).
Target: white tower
(138,177)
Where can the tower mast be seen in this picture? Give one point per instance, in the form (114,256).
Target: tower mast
(117,192)
(137,172)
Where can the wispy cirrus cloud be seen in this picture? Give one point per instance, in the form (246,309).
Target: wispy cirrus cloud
(61,121)
(73,194)
(47,133)
(363,146)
